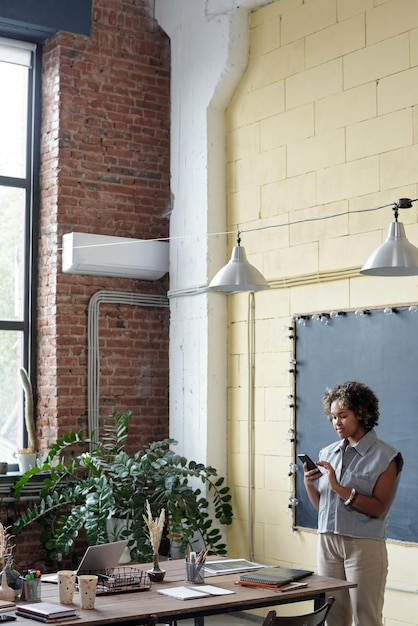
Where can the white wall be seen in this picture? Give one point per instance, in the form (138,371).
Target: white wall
(209,49)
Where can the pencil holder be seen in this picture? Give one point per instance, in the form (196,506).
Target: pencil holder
(195,573)
(31,590)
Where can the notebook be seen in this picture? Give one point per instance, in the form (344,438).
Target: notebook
(47,609)
(273,576)
(46,612)
(103,556)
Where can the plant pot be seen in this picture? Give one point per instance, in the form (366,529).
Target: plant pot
(6,592)
(156,574)
(13,577)
(115,531)
(26,461)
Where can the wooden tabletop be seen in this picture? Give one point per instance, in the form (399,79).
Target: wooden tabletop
(139,607)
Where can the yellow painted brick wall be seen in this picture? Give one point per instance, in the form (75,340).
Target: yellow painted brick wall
(323,122)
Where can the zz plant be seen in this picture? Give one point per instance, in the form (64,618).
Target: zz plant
(81,492)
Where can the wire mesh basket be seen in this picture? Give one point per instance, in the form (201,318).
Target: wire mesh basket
(121,580)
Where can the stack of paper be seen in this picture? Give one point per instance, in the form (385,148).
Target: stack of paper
(6,604)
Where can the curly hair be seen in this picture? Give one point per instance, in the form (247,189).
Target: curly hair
(356,397)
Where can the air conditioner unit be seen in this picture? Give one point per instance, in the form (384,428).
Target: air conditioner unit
(101,255)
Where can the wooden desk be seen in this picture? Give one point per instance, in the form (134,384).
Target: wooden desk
(144,607)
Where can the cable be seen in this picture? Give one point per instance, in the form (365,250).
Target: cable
(403,203)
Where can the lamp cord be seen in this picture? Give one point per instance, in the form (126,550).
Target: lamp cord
(401,204)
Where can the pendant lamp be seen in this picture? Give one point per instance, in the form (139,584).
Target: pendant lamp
(238,274)
(396,256)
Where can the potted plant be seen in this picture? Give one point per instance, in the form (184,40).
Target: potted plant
(10,579)
(82,491)
(155,533)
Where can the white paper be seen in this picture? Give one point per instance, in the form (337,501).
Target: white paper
(183,593)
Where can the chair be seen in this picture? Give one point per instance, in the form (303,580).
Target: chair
(317,618)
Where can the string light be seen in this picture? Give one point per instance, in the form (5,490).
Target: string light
(291,436)
(293,469)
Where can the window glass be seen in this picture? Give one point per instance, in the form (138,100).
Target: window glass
(11,415)
(17,133)
(13,115)
(12,211)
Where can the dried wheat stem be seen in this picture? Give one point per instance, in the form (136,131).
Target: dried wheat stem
(155,527)
(6,545)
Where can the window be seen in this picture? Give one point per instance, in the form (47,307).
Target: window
(17,235)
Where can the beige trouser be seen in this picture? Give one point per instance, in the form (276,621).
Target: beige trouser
(361,561)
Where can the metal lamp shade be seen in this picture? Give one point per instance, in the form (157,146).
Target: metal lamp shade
(238,275)
(395,257)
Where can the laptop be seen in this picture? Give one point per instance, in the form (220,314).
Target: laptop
(103,556)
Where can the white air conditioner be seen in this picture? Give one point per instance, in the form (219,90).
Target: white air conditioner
(102,255)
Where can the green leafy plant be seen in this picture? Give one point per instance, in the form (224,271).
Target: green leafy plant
(82,492)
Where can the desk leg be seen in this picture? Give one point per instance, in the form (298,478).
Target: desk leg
(319,601)
(199,621)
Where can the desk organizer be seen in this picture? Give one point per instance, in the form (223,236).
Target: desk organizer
(121,580)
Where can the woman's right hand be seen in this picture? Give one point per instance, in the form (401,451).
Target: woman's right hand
(310,476)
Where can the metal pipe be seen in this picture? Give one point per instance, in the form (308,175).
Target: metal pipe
(93,369)
(251,381)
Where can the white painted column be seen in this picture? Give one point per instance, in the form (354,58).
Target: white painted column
(209,48)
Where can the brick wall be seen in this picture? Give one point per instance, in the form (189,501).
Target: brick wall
(104,170)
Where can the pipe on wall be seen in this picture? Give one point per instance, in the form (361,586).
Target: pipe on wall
(93,366)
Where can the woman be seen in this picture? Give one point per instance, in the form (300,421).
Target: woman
(356,485)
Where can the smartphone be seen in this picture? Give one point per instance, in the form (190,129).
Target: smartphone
(7,618)
(304,458)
